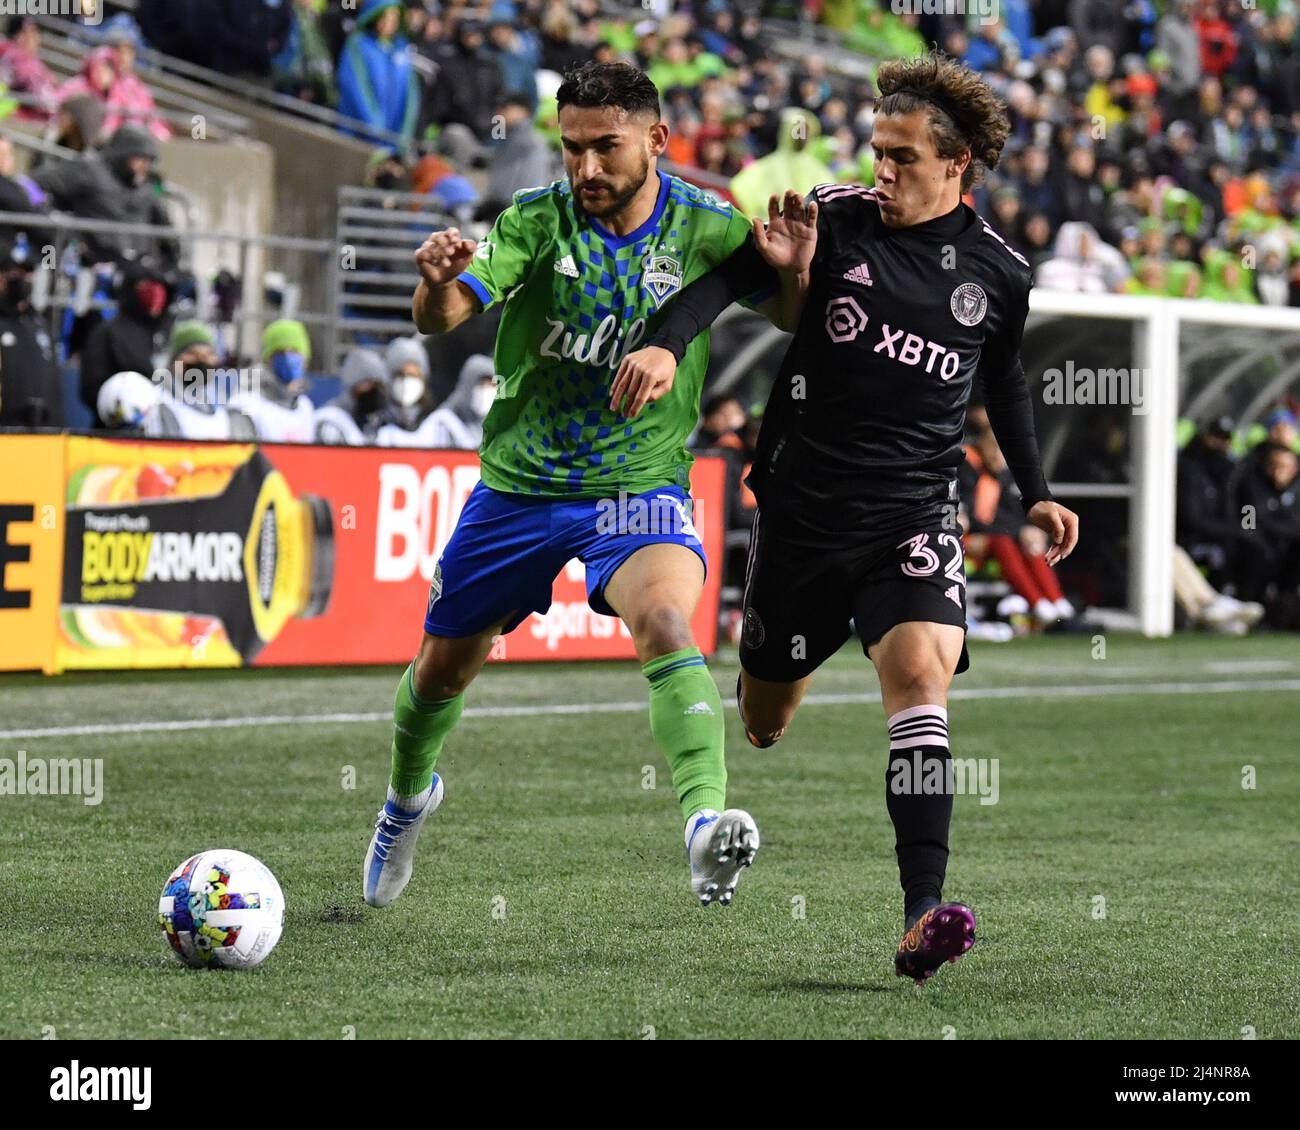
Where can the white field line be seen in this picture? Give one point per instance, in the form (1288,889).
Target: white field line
(849,699)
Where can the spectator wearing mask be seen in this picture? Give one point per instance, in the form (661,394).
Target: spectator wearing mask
(408,381)
(116,184)
(1268,562)
(130,341)
(362,408)
(21,69)
(192,361)
(30,388)
(458,423)
(377,82)
(277,405)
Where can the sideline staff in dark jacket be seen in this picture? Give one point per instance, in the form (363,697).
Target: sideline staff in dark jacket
(30,394)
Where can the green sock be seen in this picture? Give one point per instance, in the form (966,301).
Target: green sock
(687,724)
(419,729)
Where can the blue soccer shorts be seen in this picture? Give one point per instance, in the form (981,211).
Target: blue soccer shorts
(507,549)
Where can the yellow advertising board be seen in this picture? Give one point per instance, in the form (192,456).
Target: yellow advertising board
(31,549)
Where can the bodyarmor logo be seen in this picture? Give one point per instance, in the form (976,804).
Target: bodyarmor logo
(969,304)
(662,277)
(845,319)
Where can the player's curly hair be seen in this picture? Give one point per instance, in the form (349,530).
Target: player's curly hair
(964,111)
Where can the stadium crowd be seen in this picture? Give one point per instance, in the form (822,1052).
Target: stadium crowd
(1155,150)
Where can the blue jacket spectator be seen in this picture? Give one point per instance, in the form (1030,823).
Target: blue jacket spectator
(518,54)
(376,80)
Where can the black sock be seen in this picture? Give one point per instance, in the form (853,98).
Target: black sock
(918,794)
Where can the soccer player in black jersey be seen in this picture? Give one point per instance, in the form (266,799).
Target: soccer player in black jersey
(899,298)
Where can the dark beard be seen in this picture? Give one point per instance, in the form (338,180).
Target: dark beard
(619,202)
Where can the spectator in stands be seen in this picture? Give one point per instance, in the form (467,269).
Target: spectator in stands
(130,341)
(304,68)
(518,55)
(115,184)
(561,48)
(458,422)
(30,390)
(377,83)
(521,159)
(193,349)
(17,193)
(467,88)
(78,125)
(1080,262)
(998,530)
(277,404)
(1268,561)
(22,71)
(1208,527)
(108,76)
(793,164)
(363,407)
(235,37)
(408,381)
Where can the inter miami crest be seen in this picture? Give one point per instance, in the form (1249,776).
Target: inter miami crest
(969,304)
(661,276)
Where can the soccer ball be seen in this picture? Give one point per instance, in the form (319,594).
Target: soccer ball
(221,909)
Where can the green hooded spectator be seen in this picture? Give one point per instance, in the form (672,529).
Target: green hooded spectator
(1182,279)
(794,164)
(1226,280)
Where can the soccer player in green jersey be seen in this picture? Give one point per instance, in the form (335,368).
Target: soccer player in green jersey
(585,267)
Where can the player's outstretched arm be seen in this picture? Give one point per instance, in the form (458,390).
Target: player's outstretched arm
(440,303)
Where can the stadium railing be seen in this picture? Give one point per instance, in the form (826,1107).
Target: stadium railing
(377,232)
(153,63)
(52,299)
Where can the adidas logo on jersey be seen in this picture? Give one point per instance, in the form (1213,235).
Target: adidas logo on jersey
(698,708)
(567,266)
(859,274)
(954,594)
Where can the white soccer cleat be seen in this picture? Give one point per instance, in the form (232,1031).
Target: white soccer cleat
(391,856)
(719,848)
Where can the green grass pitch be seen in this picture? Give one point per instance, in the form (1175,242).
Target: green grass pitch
(550,896)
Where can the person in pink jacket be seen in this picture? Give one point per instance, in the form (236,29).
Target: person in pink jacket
(108,75)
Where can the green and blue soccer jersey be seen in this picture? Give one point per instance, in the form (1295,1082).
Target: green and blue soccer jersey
(578,299)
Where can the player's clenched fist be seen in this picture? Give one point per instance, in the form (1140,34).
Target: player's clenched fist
(443,256)
(642,376)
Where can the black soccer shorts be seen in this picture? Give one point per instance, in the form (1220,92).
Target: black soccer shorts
(799,601)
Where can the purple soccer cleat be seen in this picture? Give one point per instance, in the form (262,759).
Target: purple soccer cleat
(942,933)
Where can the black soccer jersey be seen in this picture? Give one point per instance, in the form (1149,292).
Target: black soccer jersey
(863,429)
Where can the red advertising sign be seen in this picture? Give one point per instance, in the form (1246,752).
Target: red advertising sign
(194,554)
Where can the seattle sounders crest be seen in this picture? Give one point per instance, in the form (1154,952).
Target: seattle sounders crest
(661,276)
